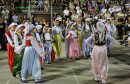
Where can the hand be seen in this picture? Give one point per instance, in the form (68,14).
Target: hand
(20,54)
(45,53)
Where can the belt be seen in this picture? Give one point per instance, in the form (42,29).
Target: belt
(47,40)
(100,45)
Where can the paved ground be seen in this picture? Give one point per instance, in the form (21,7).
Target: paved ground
(75,72)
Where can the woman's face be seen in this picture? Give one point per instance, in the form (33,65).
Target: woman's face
(33,30)
(20,30)
(13,28)
(39,30)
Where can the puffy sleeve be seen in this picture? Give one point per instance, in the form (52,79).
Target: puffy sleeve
(16,43)
(112,40)
(35,44)
(19,48)
(88,40)
(9,40)
(38,37)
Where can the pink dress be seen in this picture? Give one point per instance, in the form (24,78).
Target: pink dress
(74,49)
(99,55)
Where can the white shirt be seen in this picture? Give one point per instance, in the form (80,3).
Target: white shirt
(59,18)
(118,9)
(47,36)
(111,10)
(79,11)
(5,11)
(66,12)
(104,11)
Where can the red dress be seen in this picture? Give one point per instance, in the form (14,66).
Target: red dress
(11,53)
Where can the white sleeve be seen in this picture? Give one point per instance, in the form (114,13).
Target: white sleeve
(9,40)
(35,44)
(19,48)
(61,34)
(88,40)
(112,40)
(16,43)
(68,36)
(38,37)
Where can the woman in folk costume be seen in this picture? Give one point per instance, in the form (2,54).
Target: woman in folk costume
(39,36)
(79,27)
(19,45)
(111,30)
(47,44)
(30,62)
(10,46)
(67,41)
(86,30)
(74,50)
(99,53)
(57,36)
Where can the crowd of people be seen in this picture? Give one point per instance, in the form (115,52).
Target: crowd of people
(88,27)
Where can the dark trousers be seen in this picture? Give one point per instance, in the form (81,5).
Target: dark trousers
(2,42)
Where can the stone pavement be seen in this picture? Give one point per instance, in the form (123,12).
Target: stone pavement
(70,71)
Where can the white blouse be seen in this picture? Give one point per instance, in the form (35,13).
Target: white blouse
(91,38)
(35,45)
(74,34)
(9,39)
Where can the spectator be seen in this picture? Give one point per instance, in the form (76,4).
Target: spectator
(79,11)
(44,22)
(59,18)
(120,14)
(15,18)
(74,16)
(122,6)
(2,35)
(107,14)
(104,10)
(102,5)
(5,14)
(66,13)
(19,19)
(111,9)
(40,4)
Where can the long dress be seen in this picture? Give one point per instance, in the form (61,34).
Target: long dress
(67,42)
(74,50)
(10,49)
(57,45)
(30,62)
(18,39)
(99,55)
(48,47)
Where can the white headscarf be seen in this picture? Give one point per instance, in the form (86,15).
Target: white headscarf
(101,28)
(18,27)
(29,28)
(11,25)
(38,27)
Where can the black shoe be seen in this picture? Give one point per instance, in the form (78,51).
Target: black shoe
(77,59)
(42,68)
(24,81)
(95,80)
(14,75)
(40,82)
